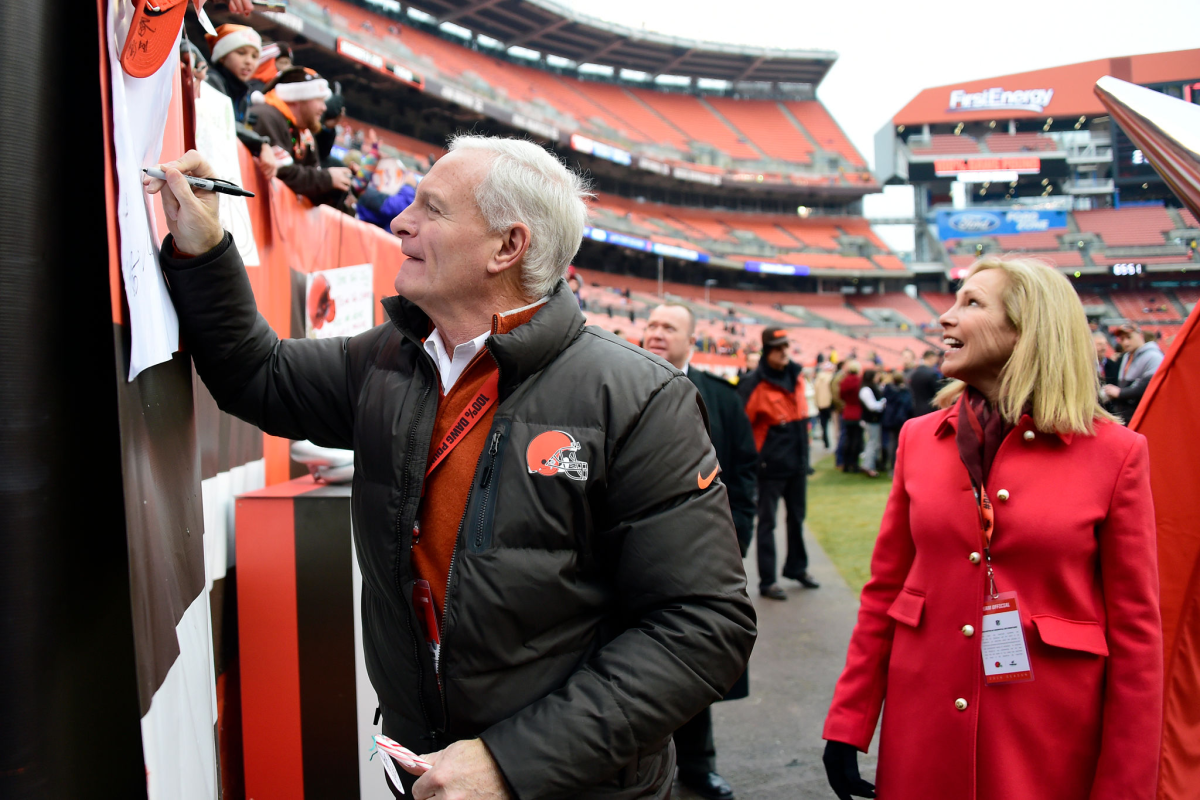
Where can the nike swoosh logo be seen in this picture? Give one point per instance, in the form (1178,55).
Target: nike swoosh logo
(704,482)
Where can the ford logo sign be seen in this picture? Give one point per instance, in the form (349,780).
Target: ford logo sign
(974,223)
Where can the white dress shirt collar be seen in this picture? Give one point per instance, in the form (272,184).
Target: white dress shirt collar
(450,366)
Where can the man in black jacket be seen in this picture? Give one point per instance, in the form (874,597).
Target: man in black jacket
(925,382)
(577,630)
(671,335)
(775,404)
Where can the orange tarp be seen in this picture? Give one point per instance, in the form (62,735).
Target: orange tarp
(1169,417)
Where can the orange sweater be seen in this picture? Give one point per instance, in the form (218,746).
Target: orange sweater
(446,490)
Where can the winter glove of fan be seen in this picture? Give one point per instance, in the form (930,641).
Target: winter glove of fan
(841,767)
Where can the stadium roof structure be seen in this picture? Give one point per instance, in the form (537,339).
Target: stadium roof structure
(1061,92)
(554,29)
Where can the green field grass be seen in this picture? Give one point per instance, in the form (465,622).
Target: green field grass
(844,513)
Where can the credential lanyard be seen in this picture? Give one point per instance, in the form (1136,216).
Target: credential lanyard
(987,526)
(475,409)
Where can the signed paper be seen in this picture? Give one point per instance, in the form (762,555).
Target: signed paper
(139,109)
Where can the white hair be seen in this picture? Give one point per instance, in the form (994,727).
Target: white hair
(526,183)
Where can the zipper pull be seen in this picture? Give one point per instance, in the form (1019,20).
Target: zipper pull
(493,448)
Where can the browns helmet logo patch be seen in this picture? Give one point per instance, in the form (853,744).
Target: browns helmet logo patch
(554,453)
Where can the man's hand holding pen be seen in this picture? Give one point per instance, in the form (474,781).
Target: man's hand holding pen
(191,214)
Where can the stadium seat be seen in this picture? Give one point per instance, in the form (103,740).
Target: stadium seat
(767,126)
(944,144)
(1126,227)
(822,127)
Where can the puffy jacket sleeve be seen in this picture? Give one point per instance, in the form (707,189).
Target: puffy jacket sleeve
(687,622)
(858,697)
(1129,745)
(294,388)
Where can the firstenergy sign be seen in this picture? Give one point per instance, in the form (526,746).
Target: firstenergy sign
(1000,99)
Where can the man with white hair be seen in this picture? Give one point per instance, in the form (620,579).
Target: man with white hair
(529,493)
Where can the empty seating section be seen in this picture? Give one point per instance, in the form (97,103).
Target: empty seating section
(962,261)
(744,129)
(767,231)
(1034,240)
(1188,218)
(840,315)
(888,261)
(768,312)
(1059,258)
(710,228)
(1149,305)
(1105,260)
(766,125)
(624,106)
(689,114)
(1019,142)
(1126,227)
(816,120)
(900,344)
(912,310)
(944,144)
(814,233)
(940,302)
(1188,295)
(857,226)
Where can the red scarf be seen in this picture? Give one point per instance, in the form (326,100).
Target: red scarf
(981,430)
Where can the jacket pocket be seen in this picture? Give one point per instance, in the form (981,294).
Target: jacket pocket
(1071,634)
(481,505)
(908,607)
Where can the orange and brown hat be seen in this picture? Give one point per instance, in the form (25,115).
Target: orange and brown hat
(152,34)
(773,337)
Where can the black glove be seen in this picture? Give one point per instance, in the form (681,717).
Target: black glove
(841,767)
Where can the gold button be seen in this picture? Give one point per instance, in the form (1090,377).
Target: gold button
(968,631)
(974,558)
(960,704)
(1028,436)
(1002,495)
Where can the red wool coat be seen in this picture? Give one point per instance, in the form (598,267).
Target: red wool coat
(1074,538)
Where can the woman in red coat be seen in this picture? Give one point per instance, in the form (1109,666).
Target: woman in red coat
(1011,620)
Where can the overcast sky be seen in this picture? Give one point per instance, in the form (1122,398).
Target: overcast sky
(889,51)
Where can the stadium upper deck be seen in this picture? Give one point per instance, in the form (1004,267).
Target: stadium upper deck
(1031,134)
(691,112)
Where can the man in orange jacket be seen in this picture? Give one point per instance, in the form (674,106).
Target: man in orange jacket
(778,412)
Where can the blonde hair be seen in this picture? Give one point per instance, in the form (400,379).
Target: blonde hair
(1052,369)
(852,367)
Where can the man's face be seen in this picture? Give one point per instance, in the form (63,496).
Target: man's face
(283,63)
(444,234)
(308,113)
(1101,346)
(1130,341)
(668,335)
(241,62)
(777,357)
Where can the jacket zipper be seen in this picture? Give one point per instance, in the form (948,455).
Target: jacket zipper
(485,483)
(412,633)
